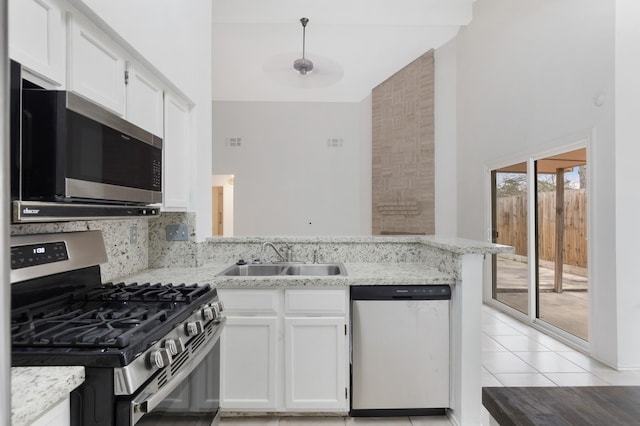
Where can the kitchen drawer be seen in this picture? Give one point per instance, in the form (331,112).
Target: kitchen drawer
(321,301)
(249,301)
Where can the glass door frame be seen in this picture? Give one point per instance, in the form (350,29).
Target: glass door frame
(566,145)
(488,289)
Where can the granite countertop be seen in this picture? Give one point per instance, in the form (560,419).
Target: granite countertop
(34,390)
(357,274)
(452,244)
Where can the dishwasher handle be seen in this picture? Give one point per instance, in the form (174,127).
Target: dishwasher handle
(401,292)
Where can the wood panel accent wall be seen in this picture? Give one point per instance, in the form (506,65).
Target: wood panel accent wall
(403,151)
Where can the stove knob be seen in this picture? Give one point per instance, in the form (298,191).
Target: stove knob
(194,328)
(160,358)
(207,313)
(216,310)
(220,305)
(174,346)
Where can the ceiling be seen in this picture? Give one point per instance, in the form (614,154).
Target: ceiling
(550,165)
(354,44)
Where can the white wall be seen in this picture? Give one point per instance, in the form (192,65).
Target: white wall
(287,181)
(527,73)
(627,153)
(445,133)
(366,147)
(175,36)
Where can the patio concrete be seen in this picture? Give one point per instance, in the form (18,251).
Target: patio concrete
(567,310)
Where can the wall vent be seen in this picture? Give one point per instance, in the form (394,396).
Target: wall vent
(233,142)
(335,142)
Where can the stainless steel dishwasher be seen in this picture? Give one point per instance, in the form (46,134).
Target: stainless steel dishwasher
(399,350)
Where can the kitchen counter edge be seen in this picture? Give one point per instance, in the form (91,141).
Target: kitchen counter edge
(357,274)
(35,390)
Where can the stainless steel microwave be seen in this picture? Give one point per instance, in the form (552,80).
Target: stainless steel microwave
(76,160)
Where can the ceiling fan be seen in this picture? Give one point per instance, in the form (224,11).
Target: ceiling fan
(303,65)
(322,72)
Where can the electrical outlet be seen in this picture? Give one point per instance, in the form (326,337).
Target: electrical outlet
(178,232)
(133,234)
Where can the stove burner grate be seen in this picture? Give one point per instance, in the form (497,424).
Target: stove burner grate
(110,316)
(148,292)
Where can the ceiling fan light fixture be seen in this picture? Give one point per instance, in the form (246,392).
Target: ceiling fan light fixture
(303,65)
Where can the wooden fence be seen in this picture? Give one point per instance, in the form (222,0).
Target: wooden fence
(512,225)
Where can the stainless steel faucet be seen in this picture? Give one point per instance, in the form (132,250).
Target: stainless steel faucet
(287,257)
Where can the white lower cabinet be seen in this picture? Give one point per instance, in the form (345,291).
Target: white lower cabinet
(285,350)
(315,364)
(248,363)
(58,415)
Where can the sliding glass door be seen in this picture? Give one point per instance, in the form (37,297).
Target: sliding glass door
(561,221)
(558,281)
(509,217)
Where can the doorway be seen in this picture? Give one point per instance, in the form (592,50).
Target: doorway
(539,207)
(222,205)
(217,195)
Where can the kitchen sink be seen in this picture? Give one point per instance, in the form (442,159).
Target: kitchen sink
(272,269)
(316,269)
(259,270)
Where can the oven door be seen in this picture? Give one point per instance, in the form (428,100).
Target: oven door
(190,397)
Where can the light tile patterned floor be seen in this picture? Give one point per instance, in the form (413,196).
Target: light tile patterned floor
(513,354)
(335,421)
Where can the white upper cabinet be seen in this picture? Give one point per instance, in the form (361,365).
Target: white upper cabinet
(37,38)
(176,153)
(62,48)
(144,100)
(96,66)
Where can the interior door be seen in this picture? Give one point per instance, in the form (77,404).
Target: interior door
(218,210)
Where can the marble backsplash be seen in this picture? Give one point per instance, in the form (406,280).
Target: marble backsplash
(150,250)
(125,257)
(324,249)
(166,254)
(153,250)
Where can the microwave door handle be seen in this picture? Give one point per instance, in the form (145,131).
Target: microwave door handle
(27,138)
(147,403)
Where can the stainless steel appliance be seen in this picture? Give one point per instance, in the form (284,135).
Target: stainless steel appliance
(72,159)
(151,351)
(400,350)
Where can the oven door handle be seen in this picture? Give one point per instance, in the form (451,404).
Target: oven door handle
(146,401)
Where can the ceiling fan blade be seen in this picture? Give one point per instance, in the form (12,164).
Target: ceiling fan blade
(326,72)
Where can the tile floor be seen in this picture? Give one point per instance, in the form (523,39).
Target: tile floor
(513,354)
(336,421)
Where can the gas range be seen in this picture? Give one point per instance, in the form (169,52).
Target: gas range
(137,342)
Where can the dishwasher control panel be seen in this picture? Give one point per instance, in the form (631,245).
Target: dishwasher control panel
(399,292)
